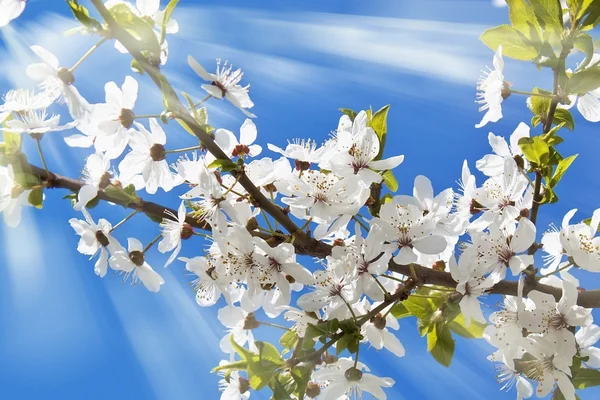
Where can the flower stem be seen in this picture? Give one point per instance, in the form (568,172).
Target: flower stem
(146,116)
(265,216)
(383,289)
(152,243)
(202,101)
(124,220)
(86,55)
(273,325)
(364,226)
(183,150)
(556,271)
(548,96)
(39,147)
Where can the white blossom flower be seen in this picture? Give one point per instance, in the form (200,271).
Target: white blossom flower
(148,158)
(321,196)
(334,287)
(471,287)
(302,151)
(376,332)
(209,285)
(224,83)
(356,151)
(344,379)
(407,228)
(579,241)
(174,230)
(23,100)
(234,148)
(586,337)
(371,261)
(239,324)
(95,238)
(235,387)
(502,198)
(12,197)
(490,87)
(36,123)
(554,319)
(548,367)
(57,82)
(96,177)
(115,117)
(493,164)
(301,320)
(133,264)
(10,9)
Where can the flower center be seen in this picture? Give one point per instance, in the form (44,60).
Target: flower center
(104,181)
(65,76)
(186,231)
(126,117)
(158,152)
(101,238)
(240,150)
(137,257)
(220,86)
(378,321)
(353,374)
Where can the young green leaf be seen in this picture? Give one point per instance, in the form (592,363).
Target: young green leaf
(584,81)
(561,168)
(514,44)
(473,331)
(390,180)
(83,16)
(562,116)
(36,197)
(441,344)
(350,113)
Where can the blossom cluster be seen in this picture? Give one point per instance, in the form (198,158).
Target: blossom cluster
(481,234)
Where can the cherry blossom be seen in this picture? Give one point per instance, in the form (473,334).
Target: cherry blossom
(132,263)
(10,9)
(490,91)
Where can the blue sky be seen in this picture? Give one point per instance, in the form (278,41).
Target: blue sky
(65,333)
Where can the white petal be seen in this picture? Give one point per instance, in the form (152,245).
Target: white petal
(248,132)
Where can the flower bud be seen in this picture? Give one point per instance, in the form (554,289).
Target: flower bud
(439,265)
(240,150)
(65,75)
(137,257)
(158,152)
(126,117)
(186,231)
(353,374)
(520,162)
(378,321)
(252,224)
(101,238)
(301,165)
(329,358)
(505,90)
(250,322)
(244,385)
(313,390)
(104,181)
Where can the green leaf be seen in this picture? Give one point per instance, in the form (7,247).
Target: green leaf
(83,16)
(289,339)
(226,165)
(238,365)
(586,378)
(350,113)
(593,18)
(419,307)
(166,18)
(441,344)
(36,197)
(564,116)
(585,43)
(349,341)
(539,105)
(584,81)
(266,351)
(399,310)
(535,120)
(473,331)
(535,149)
(390,180)
(140,29)
(242,351)
(120,196)
(584,7)
(561,168)
(524,19)
(301,375)
(548,14)
(514,44)
(378,122)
